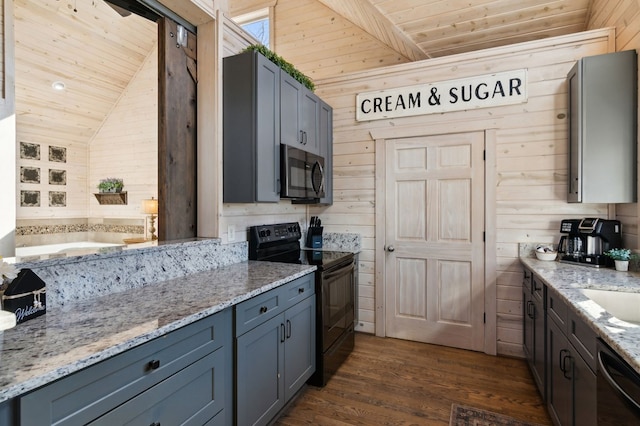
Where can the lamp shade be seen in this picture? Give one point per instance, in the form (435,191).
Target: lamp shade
(150,206)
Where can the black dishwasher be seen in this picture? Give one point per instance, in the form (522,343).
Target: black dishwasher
(618,389)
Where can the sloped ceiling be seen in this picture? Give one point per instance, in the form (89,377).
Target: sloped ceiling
(87,45)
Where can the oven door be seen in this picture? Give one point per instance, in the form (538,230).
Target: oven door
(618,389)
(338,294)
(301,174)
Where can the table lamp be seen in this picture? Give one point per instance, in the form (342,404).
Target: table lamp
(150,207)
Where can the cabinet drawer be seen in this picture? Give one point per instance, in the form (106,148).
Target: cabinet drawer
(583,338)
(557,310)
(258,309)
(299,289)
(526,278)
(265,306)
(89,393)
(192,396)
(537,287)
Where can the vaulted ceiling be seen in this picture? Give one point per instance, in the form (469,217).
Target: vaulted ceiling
(96,51)
(420,29)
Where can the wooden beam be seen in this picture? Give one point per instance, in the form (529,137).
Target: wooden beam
(366,16)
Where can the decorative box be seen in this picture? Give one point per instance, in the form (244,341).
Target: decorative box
(25,296)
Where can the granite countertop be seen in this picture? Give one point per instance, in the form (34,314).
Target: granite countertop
(568,279)
(79,334)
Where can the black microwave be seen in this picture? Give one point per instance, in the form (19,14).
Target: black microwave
(301,174)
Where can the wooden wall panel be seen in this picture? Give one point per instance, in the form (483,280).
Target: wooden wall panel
(530,156)
(624,16)
(131,155)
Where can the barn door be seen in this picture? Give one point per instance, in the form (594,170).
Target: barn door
(434,262)
(177,80)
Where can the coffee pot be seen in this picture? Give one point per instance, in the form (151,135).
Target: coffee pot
(571,245)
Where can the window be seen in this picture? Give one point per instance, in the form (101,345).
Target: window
(257,24)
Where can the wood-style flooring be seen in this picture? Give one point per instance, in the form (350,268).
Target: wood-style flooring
(396,382)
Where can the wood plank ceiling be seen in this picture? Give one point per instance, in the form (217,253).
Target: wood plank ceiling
(435,28)
(87,45)
(96,51)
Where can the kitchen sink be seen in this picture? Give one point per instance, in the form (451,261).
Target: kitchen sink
(621,304)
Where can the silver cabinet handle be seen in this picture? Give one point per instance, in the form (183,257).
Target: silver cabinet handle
(391,248)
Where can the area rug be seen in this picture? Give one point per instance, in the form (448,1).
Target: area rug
(462,415)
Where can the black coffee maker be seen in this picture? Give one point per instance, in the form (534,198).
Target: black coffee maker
(571,245)
(587,240)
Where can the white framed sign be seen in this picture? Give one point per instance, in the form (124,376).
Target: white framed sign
(490,90)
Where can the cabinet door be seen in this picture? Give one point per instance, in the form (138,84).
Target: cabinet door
(309,116)
(259,369)
(300,348)
(290,107)
(193,396)
(584,394)
(527,324)
(560,370)
(325,136)
(6,412)
(539,339)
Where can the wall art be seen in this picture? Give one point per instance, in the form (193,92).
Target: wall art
(30,151)
(29,174)
(57,177)
(29,198)
(57,199)
(58,154)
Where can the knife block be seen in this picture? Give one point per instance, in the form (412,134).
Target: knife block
(314,237)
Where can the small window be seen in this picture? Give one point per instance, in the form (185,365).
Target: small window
(257,24)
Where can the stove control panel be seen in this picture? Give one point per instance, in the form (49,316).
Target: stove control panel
(263,234)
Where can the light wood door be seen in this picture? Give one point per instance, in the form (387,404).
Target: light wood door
(434,283)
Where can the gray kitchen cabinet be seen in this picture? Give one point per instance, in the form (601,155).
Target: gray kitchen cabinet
(183,377)
(251,129)
(534,328)
(325,135)
(6,413)
(571,382)
(299,115)
(602,129)
(275,349)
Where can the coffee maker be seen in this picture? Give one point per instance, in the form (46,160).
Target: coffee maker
(587,240)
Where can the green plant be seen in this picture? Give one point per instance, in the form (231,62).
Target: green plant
(620,254)
(110,184)
(282,63)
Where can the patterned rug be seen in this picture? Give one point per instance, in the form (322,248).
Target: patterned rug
(462,415)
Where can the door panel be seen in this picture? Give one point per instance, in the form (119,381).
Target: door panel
(434,283)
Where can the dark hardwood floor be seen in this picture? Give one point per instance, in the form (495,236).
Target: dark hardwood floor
(396,382)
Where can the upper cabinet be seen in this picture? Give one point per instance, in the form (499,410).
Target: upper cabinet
(251,129)
(299,114)
(264,107)
(602,129)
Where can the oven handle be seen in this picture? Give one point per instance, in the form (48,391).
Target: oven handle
(602,367)
(340,271)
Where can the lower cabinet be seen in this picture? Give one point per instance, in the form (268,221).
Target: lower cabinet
(571,381)
(534,328)
(183,377)
(276,356)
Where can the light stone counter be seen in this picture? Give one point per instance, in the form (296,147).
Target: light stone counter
(79,333)
(568,280)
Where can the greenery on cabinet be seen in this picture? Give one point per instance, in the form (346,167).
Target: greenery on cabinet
(282,63)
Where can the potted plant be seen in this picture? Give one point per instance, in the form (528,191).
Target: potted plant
(282,63)
(621,257)
(111,185)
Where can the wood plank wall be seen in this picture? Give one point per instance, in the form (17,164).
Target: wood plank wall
(131,155)
(531,151)
(624,16)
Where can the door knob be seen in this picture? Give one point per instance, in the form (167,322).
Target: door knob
(390,249)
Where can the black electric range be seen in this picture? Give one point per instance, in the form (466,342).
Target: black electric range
(335,289)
